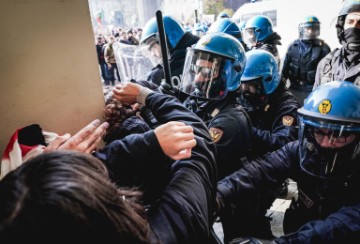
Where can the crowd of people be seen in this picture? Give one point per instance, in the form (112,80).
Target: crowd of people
(216,142)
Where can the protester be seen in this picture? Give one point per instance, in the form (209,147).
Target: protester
(70,196)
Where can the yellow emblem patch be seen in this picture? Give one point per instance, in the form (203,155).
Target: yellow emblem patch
(325,106)
(215,134)
(288,120)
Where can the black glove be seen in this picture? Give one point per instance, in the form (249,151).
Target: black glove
(167,89)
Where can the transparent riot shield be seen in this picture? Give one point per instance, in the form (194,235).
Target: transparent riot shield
(132,62)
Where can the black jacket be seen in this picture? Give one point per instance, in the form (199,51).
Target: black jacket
(230,128)
(301,61)
(183,212)
(327,212)
(275,124)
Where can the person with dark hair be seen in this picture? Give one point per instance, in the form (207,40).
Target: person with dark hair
(343,64)
(69,195)
(131,38)
(325,164)
(110,60)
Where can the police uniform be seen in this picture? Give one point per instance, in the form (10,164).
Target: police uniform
(183,211)
(334,67)
(229,127)
(328,211)
(300,65)
(275,124)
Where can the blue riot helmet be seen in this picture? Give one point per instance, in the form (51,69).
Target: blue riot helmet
(348,6)
(213,67)
(173,31)
(257,29)
(309,29)
(200,29)
(222,15)
(260,78)
(227,26)
(330,131)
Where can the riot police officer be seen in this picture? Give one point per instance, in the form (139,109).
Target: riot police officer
(273,111)
(259,34)
(343,64)
(271,106)
(211,78)
(177,41)
(325,164)
(303,56)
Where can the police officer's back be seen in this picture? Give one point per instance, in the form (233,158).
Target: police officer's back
(303,56)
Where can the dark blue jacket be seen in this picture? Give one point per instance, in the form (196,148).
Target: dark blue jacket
(183,212)
(275,124)
(230,129)
(334,213)
(301,61)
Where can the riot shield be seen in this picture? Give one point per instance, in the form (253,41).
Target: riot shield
(132,62)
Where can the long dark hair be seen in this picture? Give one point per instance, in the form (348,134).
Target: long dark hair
(68,196)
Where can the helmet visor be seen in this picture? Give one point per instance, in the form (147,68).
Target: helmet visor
(250,36)
(309,31)
(204,75)
(152,50)
(327,151)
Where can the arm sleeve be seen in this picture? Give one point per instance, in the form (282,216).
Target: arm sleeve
(264,173)
(340,227)
(284,129)
(183,213)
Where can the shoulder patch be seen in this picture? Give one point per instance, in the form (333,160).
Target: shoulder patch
(216,134)
(288,120)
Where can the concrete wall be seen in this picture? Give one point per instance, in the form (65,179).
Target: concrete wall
(48,68)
